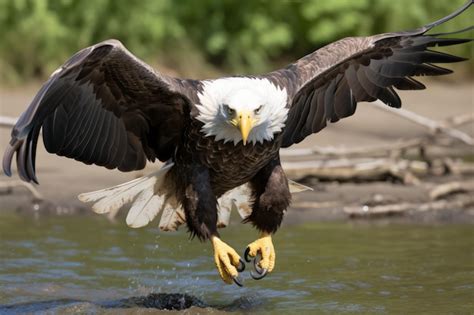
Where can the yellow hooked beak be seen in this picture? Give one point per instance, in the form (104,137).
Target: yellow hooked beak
(245,121)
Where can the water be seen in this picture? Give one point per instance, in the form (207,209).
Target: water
(321,267)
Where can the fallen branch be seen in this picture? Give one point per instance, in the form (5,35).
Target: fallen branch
(432,125)
(446,189)
(358,169)
(374,150)
(362,211)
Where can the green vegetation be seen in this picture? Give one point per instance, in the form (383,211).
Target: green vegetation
(244,36)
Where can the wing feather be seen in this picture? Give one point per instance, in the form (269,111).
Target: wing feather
(105,107)
(319,115)
(360,69)
(409,83)
(329,100)
(344,102)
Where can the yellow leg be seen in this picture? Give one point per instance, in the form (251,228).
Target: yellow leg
(227,261)
(263,247)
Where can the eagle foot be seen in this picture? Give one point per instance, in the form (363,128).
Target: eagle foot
(264,256)
(228,262)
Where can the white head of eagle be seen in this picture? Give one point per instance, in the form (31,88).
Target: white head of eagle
(242,109)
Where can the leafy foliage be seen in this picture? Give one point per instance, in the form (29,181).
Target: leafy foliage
(38,35)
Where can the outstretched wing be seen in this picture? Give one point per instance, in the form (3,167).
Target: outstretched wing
(103,107)
(327,84)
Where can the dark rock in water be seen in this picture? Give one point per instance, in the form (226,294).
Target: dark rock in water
(161,301)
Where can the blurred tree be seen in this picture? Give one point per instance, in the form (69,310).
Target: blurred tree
(239,36)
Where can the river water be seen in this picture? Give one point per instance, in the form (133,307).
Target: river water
(85,263)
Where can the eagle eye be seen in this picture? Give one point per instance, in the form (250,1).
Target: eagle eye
(258,110)
(229,111)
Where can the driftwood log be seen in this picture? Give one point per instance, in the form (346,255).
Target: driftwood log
(365,151)
(361,169)
(443,190)
(399,208)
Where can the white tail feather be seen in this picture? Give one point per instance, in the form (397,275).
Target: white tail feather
(173,216)
(223,216)
(145,207)
(237,198)
(138,215)
(122,196)
(297,187)
(109,192)
(240,198)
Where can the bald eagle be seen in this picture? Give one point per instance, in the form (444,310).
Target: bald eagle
(219,139)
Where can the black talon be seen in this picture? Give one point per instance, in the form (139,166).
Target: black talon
(246,255)
(238,281)
(241,266)
(261,272)
(259,276)
(256,261)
